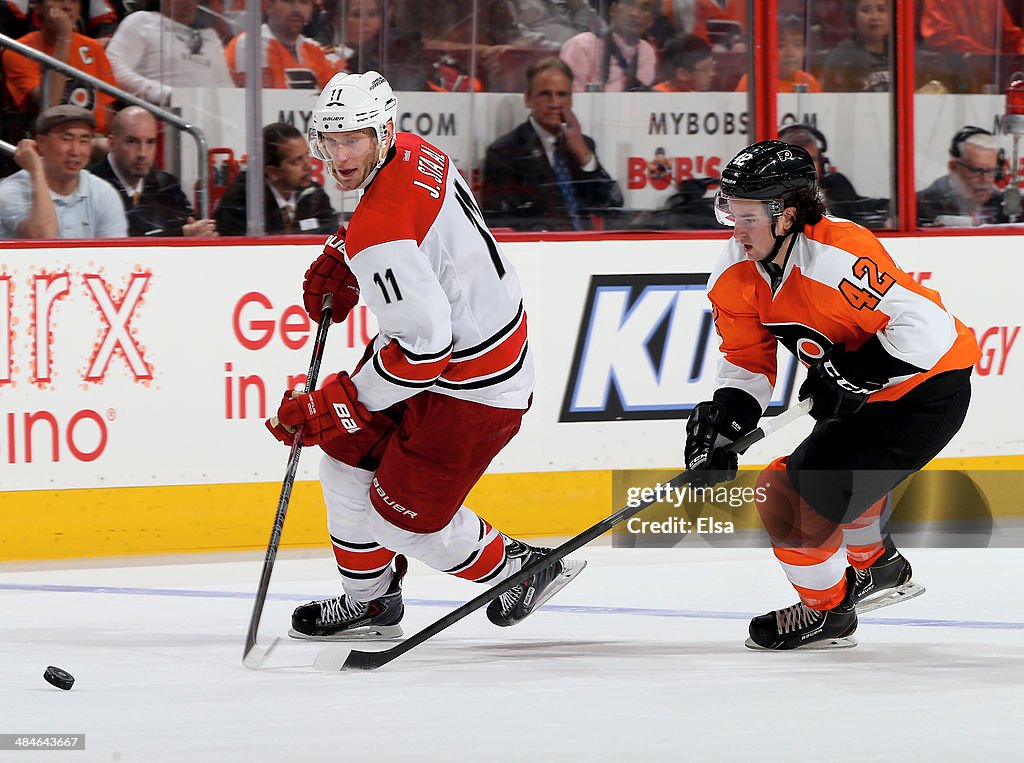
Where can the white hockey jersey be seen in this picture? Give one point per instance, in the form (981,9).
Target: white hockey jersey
(447,300)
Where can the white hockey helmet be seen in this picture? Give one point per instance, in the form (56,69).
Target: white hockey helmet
(354,102)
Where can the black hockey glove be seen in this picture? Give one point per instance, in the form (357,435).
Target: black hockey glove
(708,431)
(836,386)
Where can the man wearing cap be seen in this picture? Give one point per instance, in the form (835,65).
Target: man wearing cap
(53,196)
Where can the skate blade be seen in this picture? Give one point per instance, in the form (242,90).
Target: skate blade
(843,642)
(890,596)
(363,633)
(570,569)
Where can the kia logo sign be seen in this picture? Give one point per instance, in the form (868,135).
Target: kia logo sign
(647,349)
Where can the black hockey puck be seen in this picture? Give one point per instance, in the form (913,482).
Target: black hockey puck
(59,678)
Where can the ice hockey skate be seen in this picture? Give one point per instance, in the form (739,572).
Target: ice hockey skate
(344,619)
(518,603)
(800,627)
(885,582)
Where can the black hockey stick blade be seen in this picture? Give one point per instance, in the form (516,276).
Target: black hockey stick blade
(253,658)
(338,657)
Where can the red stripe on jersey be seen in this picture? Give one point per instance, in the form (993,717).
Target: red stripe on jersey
(398,365)
(492,361)
(356,560)
(492,555)
(405,198)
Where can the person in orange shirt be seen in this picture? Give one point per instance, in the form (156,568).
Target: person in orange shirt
(888,378)
(688,63)
(792,48)
(693,16)
(980,26)
(290,60)
(56,37)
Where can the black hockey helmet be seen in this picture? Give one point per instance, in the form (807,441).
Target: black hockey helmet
(771,171)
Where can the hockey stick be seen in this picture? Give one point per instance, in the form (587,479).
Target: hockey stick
(334,658)
(252,658)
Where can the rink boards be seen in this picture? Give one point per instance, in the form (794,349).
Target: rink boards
(135,380)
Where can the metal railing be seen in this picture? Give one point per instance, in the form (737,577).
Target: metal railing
(166,116)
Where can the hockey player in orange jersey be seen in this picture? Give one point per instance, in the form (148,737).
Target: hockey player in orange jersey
(442,387)
(888,376)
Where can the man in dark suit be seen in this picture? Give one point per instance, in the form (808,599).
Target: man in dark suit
(293,203)
(153,200)
(544,175)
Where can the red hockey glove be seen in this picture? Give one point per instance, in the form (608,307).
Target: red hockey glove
(836,386)
(330,274)
(280,431)
(329,412)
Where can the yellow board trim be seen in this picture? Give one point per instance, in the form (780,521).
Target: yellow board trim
(67,524)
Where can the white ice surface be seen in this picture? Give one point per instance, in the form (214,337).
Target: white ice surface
(639,659)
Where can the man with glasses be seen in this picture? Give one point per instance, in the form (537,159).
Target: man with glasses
(689,65)
(967,194)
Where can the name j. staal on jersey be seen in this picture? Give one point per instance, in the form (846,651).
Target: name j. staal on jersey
(839,284)
(447,300)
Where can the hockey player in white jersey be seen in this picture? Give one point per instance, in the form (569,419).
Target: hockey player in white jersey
(441,389)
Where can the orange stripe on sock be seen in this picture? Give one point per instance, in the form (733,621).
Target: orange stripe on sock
(871,514)
(804,557)
(827,599)
(862,557)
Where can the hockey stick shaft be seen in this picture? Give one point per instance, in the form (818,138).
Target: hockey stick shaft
(357,660)
(286,485)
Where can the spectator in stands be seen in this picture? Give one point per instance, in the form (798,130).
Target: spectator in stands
(214,14)
(547,24)
(460,24)
(827,21)
(967,194)
(861,62)
(792,49)
(14,18)
(838,193)
(356,35)
(53,196)
(545,175)
(619,60)
(291,60)
(721,23)
(970,26)
(153,199)
(293,203)
(689,65)
(56,37)
(154,52)
(456,31)
(98,21)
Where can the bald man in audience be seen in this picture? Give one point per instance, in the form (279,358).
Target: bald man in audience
(153,199)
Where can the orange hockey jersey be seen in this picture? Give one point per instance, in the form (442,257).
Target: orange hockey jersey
(23,75)
(838,285)
(308,68)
